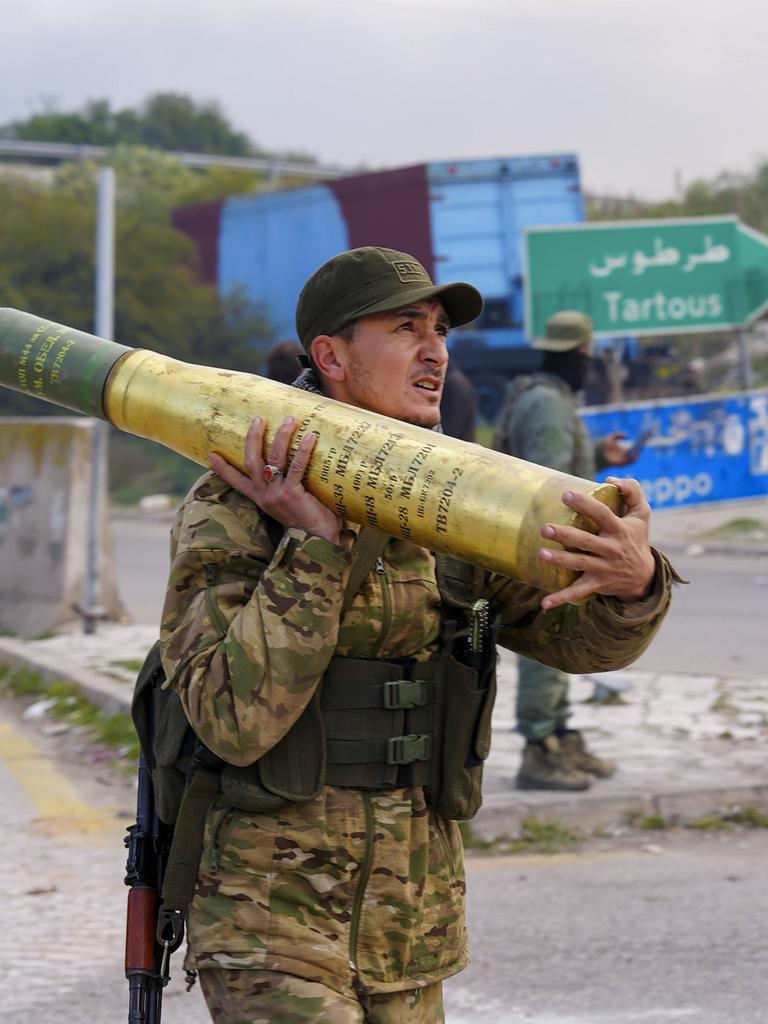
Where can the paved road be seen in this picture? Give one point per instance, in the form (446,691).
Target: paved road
(61,888)
(716,625)
(620,935)
(651,928)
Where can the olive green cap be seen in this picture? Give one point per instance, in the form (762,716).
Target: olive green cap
(375,280)
(565,331)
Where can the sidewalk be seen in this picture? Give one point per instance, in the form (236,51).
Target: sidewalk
(728,528)
(685,745)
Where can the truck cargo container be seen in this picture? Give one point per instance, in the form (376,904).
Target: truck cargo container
(462,219)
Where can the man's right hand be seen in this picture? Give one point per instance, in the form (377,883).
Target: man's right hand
(283,498)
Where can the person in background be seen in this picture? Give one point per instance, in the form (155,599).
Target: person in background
(283,362)
(458,407)
(540,423)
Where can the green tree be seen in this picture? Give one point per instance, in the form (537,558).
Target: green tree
(745,195)
(47,254)
(165,120)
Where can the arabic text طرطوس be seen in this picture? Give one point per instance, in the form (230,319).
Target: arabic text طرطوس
(662,256)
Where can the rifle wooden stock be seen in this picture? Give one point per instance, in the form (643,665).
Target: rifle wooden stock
(141,949)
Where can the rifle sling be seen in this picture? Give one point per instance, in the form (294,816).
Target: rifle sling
(187,844)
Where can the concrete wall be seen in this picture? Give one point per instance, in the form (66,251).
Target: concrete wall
(45,480)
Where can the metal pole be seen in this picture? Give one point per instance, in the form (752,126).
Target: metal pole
(745,360)
(104,327)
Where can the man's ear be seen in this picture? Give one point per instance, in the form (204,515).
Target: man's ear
(325,355)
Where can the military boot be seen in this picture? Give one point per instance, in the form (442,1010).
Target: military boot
(575,753)
(545,767)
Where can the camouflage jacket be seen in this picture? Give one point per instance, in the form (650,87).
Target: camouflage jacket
(376,879)
(540,423)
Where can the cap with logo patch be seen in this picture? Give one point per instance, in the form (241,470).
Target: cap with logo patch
(375,280)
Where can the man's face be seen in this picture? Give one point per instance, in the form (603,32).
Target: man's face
(396,363)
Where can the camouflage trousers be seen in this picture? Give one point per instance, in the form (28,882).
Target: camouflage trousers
(265,997)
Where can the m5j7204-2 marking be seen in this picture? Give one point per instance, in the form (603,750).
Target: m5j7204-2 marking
(444,501)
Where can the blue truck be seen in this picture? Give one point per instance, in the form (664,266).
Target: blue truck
(463,219)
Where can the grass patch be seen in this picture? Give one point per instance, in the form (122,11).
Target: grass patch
(722,703)
(128,665)
(545,836)
(471,841)
(535,837)
(711,823)
(747,816)
(737,528)
(20,682)
(114,732)
(652,823)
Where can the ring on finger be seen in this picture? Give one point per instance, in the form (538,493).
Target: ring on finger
(271,472)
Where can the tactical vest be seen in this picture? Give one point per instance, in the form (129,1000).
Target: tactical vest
(371,724)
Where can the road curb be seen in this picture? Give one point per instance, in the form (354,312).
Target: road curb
(700,550)
(590,813)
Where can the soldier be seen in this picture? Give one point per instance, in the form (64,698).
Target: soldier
(540,423)
(331,885)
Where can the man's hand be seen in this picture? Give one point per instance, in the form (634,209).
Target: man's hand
(616,452)
(617,561)
(285,497)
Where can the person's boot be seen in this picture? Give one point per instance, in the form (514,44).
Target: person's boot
(545,767)
(575,754)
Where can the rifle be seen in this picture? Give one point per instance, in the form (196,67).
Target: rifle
(152,933)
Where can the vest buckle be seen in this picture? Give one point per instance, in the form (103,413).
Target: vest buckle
(407,749)
(401,694)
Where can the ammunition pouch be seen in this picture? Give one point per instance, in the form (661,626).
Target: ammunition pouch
(463,716)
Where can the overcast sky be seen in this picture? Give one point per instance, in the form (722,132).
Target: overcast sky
(647,92)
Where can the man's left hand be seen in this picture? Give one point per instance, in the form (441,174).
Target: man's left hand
(617,561)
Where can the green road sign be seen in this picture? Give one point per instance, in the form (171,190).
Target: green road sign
(648,277)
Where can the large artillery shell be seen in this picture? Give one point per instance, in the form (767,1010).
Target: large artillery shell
(448,495)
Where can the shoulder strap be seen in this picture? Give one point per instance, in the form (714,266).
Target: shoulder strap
(187,844)
(368,548)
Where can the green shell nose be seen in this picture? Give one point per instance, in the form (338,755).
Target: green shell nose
(55,363)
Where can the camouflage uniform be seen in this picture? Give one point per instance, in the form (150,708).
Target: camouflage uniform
(362,892)
(253,996)
(540,423)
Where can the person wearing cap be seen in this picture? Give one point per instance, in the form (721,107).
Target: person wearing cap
(539,422)
(331,884)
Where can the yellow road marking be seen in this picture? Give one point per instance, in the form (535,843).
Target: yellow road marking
(55,799)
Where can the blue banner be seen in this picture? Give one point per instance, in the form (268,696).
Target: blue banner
(696,450)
